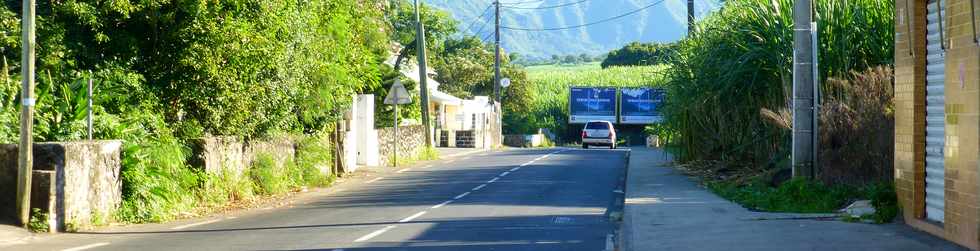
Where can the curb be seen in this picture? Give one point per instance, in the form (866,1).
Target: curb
(624,229)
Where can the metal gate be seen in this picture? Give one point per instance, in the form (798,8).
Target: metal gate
(935,110)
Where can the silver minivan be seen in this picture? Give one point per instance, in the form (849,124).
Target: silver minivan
(599,133)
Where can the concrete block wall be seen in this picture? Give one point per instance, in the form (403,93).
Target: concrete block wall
(78,184)
(962,124)
(411,140)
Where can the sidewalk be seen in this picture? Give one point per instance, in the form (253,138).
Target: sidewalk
(10,234)
(666,210)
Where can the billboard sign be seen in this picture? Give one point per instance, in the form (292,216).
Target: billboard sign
(592,103)
(641,105)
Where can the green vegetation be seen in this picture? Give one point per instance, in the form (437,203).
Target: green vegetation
(803,196)
(637,54)
(38,222)
(721,80)
(426,153)
(729,89)
(545,100)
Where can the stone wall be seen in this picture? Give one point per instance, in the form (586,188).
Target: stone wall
(76,183)
(219,155)
(411,140)
(962,123)
(525,140)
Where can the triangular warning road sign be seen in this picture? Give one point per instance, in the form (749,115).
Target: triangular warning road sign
(398,95)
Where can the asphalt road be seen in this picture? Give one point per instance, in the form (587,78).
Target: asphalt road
(536,199)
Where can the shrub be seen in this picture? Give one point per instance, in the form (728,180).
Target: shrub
(857,125)
(313,153)
(157,183)
(268,177)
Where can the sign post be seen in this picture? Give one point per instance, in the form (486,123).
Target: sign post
(397,95)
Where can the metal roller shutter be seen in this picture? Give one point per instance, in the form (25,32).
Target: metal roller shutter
(935,111)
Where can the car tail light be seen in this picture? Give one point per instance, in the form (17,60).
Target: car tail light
(584,134)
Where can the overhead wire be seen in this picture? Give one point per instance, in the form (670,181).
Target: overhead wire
(524,2)
(585,24)
(479,18)
(544,7)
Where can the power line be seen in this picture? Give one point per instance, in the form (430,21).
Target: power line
(545,7)
(586,24)
(484,26)
(525,2)
(479,19)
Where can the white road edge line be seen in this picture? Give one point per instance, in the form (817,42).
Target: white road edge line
(195,224)
(427,166)
(89,246)
(410,218)
(442,204)
(374,234)
(504,174)
(375,179)
(495,179)
(404,170)
(515,169)
(528,163)
(477,188)
(461,195)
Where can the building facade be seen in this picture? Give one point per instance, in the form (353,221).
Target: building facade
(937,79)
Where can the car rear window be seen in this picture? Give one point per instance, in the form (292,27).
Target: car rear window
(597,126)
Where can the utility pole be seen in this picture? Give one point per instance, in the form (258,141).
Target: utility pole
(496,55)
(25,160)
(690,17)
(803,92)
(423,76)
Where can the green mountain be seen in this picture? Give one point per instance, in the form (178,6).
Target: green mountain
(663,21)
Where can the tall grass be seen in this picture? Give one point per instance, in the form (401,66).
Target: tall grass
(739,61)
(549,89)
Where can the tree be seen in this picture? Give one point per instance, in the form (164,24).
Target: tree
(636,53)
(585,58)
(555,59)
(465,67)
(439,25)
(570,59)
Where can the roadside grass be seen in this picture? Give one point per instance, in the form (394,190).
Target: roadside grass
(426,153)
(805,196)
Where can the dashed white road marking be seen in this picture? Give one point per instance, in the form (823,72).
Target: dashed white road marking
(231,217)
(450,161)
(528,163)
(515,169)
(195,224)
(461,195)
(374,234)
(89,246)
(427,166)
(410,218)
(375,179)
(495,179)
(504,174)
(404,170)
(442,204)
(477,188)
